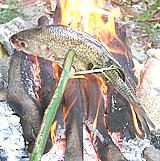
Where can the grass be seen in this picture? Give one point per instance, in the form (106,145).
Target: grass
(11,12)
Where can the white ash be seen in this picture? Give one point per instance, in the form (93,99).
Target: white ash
(56,153)
(133,149)
(12,146)
(58,150)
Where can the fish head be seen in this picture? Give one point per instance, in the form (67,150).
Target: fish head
(27,41)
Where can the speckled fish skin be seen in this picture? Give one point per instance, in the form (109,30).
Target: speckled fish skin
(53,43)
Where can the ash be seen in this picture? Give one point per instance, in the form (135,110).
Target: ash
(133,149)
(12,147)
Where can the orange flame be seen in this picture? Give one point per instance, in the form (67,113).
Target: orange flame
(36,75)
(67,109)
(102,84)
(139,132)
(90,16)
(56,71)
(96,117)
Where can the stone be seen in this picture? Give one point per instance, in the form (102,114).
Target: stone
(149,90)
(152,154)
(10,28)
(154,53)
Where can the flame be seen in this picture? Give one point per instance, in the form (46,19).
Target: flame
(96,117)
(35,69)
(52,129)
(102,84)
(67,109)
(90,16)
(135,122)
(56,71)
(137,72)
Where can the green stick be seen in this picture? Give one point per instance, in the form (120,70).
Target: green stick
(52,109)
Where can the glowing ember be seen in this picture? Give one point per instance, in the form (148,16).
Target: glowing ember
(56,71)
(36,75)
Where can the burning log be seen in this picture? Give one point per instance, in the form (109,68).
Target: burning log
(74,121)
(21,97)
(84,101)
(94,112)
(24,62)
(119,117)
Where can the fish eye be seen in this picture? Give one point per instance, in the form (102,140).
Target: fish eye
(23,44)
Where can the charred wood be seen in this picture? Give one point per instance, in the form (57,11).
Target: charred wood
(124,59)
(74,122)
(21,97)
(119,117)
(106,149)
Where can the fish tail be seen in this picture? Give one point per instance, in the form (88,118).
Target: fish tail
(127,91)
(143,118)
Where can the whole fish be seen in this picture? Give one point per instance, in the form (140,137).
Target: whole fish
(53,42)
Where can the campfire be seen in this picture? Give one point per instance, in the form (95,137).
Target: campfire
(93,121)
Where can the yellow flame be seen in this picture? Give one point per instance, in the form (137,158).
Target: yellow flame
(96,117)
(102,84)
(92,17)
(135,122)
(66,110)
(52,129)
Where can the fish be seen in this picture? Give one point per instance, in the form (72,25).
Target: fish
(53,42)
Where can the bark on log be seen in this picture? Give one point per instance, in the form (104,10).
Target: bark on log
(22,99)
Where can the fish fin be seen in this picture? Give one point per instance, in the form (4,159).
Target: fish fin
(120,72)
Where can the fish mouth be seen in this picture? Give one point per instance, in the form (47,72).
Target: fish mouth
(18,43)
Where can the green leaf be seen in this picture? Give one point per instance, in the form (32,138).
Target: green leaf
(147,15)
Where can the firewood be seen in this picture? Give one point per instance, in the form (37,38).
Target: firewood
(95,109)
(74,122)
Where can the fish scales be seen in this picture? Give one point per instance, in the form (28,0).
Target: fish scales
(126,90)
(88,49)
(53,43)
